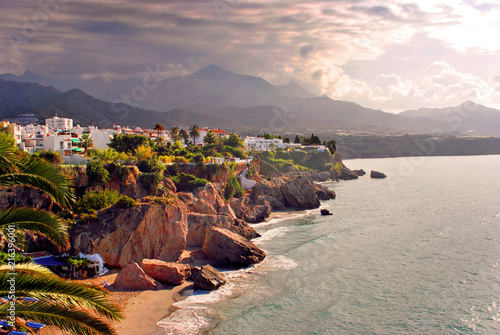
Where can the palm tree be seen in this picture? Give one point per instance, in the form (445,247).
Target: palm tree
(64,304)
(71,306)
(158,128)
(184,135)
(20,170)
(86,142)
(194,132)
(174,133)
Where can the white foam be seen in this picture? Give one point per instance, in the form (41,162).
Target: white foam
(193,313)
(270,234)
(282,216)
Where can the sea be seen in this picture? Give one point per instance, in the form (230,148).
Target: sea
(415,253)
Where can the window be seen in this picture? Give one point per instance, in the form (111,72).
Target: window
(61,145)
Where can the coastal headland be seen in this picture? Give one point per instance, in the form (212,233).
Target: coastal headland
(168,239)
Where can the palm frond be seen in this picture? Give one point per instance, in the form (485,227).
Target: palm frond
(43,176)
(62,292)
(75,321)
(31,269)
(38,221)
(9,160)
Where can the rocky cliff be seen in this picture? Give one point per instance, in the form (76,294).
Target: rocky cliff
(123,236)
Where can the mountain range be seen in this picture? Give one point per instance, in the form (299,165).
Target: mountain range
(218,98)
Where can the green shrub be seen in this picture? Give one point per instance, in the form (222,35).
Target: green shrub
(96,173)
(172,170)
(18,258)
(187,182)
(233,188)
(151,181)
(150,165)
(94,201)
(126,202)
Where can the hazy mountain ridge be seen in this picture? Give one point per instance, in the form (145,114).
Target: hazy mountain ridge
(468,116)
(235,101)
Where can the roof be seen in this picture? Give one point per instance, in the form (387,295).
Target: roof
(37,254)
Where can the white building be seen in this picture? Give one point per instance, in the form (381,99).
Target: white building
(58,143)
(101,138)
(59,123)
(33,137)
(14,129)
(262,144)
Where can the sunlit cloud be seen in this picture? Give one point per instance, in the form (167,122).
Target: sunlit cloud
(369,52)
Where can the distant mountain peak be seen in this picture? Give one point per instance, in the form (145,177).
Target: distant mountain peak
(27,73)
(212,70)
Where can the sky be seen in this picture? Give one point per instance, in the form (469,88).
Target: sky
(392,55)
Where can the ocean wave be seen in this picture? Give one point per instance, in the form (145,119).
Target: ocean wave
(194,314)
(282,216)
(270,234)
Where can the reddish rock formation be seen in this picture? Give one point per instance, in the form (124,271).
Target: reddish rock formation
(299,193)
(245,210)
(166,272)
(323,192)
(199,224)
(270,191)
(123,236)
(225,246)
(207,278)
(134,278)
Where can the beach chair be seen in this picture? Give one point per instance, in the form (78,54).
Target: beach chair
(17,332)
(35,325)
(4,323)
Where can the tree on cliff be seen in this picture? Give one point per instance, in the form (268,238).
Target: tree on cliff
(194,132)
(210,138)
(77,308)
(332,146)
(174,134)
(128,143)
(184,135)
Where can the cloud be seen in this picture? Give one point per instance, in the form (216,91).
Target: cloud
(306,49)
(376,55)
(440,86)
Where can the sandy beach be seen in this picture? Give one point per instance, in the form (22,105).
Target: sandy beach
(142,309)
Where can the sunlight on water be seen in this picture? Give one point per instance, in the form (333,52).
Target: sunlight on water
(416,253)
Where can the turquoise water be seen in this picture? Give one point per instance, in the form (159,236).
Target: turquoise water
(416,253)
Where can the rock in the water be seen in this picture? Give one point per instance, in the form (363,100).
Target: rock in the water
(134,278)
(360,172)
(207,278)
(225,246)
(378,175)
(300,193)
(166,272)
(347,174)
(325,212)
(323,192)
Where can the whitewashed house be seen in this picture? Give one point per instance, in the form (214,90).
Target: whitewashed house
(262,144)
(59,123)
